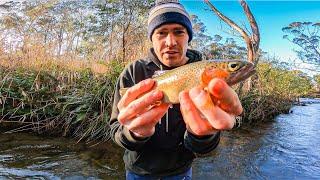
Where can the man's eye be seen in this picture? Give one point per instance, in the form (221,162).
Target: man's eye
(161,33)
(179,32)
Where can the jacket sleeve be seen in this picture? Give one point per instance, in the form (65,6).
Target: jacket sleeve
(120,134)
(201,145)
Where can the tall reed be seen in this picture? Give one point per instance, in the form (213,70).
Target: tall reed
(52,98)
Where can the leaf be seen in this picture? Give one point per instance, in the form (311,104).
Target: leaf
(286,28)
(295,24)
(316,24)
(24,94)
(80,117)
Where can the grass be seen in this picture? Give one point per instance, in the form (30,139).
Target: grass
(74,97)
(58,99)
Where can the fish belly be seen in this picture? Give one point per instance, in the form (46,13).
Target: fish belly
(171,92)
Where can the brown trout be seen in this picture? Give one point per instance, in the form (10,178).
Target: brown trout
(172,82)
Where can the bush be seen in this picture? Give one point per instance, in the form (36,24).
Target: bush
(274,91)
(58,101)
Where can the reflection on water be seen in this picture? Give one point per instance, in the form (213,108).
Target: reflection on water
(28,156)
(287,148)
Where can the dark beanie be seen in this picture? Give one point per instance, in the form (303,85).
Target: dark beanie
(168,11)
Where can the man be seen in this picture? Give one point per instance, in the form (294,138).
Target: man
(161,142)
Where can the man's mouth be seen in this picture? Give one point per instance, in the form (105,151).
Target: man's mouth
(170,52)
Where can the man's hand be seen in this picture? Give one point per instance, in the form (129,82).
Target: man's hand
(207,111)
(136,110)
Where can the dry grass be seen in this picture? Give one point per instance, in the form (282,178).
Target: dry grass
(63,96)
(70,95)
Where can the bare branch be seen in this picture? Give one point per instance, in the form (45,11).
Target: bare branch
(253,24)
(233,25)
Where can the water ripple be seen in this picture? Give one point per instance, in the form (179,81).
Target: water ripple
(25,173)
(286,148)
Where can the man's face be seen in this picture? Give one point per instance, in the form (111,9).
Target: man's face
(170,43)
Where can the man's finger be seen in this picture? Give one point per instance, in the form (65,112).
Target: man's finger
(191,115)
(149,118)
(225,96)
(135,91)
(144,132)
(218,118)
(139,105)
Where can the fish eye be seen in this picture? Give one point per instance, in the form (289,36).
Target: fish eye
(233,66)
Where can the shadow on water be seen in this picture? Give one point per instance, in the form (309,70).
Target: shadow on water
(286,148)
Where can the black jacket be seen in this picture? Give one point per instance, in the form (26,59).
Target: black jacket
(165,153)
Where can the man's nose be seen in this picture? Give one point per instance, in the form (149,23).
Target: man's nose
(171,40)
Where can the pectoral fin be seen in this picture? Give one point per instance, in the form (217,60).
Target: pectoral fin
(208,74)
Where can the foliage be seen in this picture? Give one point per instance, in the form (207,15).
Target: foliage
(226,50)
(285,83)
(259,107)
(275,90)
(58,101)
(306,36)
(214,47)
(96,30)
(99,30)
(200,39)
(58,69)
(317,80)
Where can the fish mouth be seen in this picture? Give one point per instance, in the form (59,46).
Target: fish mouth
(242,74)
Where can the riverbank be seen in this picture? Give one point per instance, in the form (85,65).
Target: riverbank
(56,99)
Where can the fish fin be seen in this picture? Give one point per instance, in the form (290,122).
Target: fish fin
(122,91)
(208,74)
(158,73)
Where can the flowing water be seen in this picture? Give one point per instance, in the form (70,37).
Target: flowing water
(286,148)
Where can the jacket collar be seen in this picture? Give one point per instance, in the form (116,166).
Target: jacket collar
(193,56)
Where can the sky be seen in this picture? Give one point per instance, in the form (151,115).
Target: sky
(271,17)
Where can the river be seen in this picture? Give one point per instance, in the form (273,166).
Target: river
(285,148)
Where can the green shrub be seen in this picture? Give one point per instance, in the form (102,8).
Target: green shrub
(274,91)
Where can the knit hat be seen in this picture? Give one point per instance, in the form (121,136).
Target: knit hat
(168,11)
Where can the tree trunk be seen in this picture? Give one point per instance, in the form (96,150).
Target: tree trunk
(252,42)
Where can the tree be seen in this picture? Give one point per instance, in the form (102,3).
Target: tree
(99,30)
(227,48)
(124,21)
(252,39)
(307,36)
(200,39)
(214,47)
(317,80)
(48,23)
